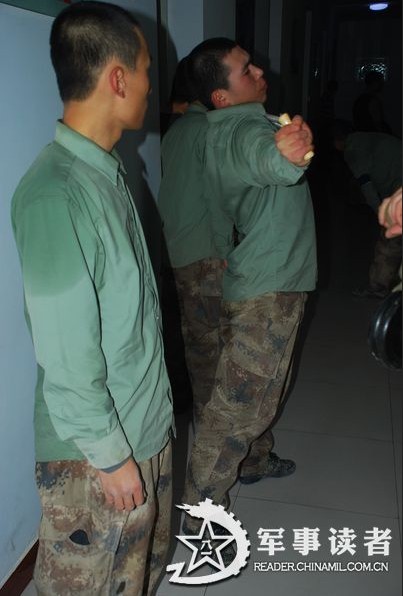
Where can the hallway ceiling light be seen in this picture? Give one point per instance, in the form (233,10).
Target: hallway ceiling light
(379,6)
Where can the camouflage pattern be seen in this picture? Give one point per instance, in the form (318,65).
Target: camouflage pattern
(251,381)
(384,269)
(88,548)
(199,287)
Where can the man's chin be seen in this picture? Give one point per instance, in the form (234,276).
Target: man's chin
(137,124)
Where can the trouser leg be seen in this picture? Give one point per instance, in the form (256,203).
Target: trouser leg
(256,460)
(86,547)
(199,288)
(257,456)
(383,272)
(142,551)
(252,372)
(162,530)
(78,534)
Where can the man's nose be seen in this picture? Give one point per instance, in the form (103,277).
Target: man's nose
(257,72)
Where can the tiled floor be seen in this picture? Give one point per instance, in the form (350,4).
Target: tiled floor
(342,425)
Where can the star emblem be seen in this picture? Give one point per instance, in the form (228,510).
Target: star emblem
(205,552)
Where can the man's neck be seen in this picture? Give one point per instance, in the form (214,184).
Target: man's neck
(89,122)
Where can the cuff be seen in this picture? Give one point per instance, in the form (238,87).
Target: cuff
(114,468)
(106,452)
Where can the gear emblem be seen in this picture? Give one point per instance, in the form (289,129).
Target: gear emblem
(202,545)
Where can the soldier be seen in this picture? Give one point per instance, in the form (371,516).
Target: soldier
(254,177)
(368,108)
(103,411)
(195,260)
(375,160)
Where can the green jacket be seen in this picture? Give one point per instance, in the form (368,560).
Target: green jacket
(250,185)
(375,157)
(182,204)
(92,308)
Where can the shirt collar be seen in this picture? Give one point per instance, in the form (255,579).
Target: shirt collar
(108,163)
(242,108)
(196,107)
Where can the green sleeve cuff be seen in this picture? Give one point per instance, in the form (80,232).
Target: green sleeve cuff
(106,452)
(114,468)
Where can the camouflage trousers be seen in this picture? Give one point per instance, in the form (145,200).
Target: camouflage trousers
(384,269)
(251,381)
(199,287)
(90,549)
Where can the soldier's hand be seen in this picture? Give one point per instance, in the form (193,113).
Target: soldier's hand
(390,214)
(294,141)
(123,488)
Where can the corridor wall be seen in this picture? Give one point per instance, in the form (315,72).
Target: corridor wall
(29,107)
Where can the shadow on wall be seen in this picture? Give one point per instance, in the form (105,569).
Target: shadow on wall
(140,151)
(275,91)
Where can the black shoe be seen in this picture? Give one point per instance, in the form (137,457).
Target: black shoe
(276,468)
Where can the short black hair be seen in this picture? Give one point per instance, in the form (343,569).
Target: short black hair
(206,68)
(182,88)
(84,37)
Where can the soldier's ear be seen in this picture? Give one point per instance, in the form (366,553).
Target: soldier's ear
(219,99)
(117,81)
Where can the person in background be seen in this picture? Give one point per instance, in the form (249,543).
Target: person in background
(385,330)
(180,97)
(195,260)
(375,160)
(181,92)
(253,179)
(103,412)
(368,109)
(179,367)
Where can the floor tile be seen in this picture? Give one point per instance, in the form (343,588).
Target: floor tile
(336,317)
(255,515)
(396,379)
(338,409)
(396,396)
(335,472)
(345,365)
(181,453)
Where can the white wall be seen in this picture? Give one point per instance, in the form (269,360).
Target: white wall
(140,150)
(29,106)
(182,23)
(188,23)
(185,24)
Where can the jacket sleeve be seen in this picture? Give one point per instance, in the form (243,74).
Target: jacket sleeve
(59,255)
(256,158)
